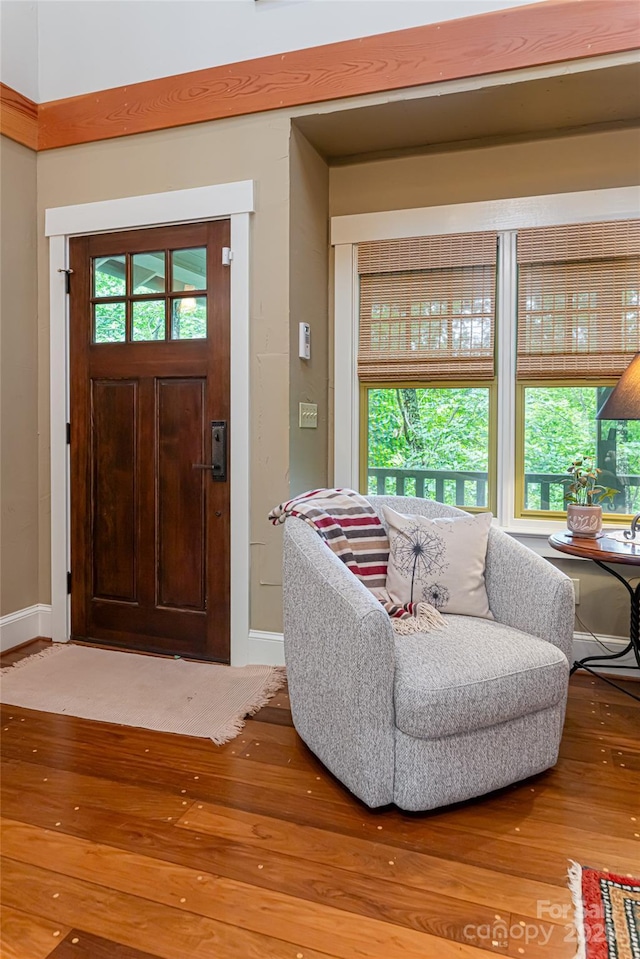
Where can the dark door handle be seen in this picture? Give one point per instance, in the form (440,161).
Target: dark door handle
(218,464)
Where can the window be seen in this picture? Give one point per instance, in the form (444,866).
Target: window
(426,365)
(577,329)
(474,376)
(132,302)
(568,414)
(431,442)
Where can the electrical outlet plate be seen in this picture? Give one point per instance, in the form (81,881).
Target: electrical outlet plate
(576,590)
(308,416)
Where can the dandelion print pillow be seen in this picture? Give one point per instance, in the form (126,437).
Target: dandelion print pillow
(439,561)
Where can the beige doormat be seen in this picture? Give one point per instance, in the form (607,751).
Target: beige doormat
(172,695)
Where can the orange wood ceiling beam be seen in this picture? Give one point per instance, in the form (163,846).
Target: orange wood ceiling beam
(513,39)
(18,117)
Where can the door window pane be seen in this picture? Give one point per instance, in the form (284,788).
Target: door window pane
(189,269)
(109,322)
(148,271)
(148,320)
(189,318)
(429,442)
(109,276)
(560,425)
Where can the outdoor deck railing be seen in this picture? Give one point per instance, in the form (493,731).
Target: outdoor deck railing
(469,488)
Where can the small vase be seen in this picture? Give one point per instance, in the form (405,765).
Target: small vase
(584,520)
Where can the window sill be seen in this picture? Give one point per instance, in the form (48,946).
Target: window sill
(536,535)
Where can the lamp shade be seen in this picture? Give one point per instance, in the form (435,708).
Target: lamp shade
(624,402)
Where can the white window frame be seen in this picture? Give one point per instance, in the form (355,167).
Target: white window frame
(506,217)
(233,201)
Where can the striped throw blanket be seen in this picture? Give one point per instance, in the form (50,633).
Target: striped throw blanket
(351,528)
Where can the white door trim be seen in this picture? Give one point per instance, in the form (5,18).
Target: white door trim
(234,201)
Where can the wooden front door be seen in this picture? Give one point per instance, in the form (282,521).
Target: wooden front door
(149,400)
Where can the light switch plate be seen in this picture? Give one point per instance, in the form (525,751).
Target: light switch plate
(308,416)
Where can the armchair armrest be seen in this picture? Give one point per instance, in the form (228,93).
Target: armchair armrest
(339,652)
(527,592)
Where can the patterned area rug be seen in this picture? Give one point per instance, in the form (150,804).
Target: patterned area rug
(171,695)
(607,913)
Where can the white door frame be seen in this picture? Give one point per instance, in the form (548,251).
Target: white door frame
(234,201)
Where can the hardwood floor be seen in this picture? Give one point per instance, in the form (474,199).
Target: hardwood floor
(122,843)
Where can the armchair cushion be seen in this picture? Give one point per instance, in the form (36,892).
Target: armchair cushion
(473,675)
(439,560)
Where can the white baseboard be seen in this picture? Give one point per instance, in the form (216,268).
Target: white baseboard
(265,649)
(25,624)
(585,645)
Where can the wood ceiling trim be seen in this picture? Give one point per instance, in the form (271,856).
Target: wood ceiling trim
(18,117)
(513,39)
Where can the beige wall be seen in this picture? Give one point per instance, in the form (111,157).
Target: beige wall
(294,189)
(291,218)
(604,603)
(307,253)
(308,302)
(238,149)
(19,380)
(589,162)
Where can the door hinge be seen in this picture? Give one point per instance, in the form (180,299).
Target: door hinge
(227,255)
(67,279)
(68,582)
(68,434)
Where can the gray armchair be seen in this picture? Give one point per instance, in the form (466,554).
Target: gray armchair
(435,718)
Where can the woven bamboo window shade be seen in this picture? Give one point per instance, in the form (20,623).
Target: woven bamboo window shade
(427,308)
(578,299)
